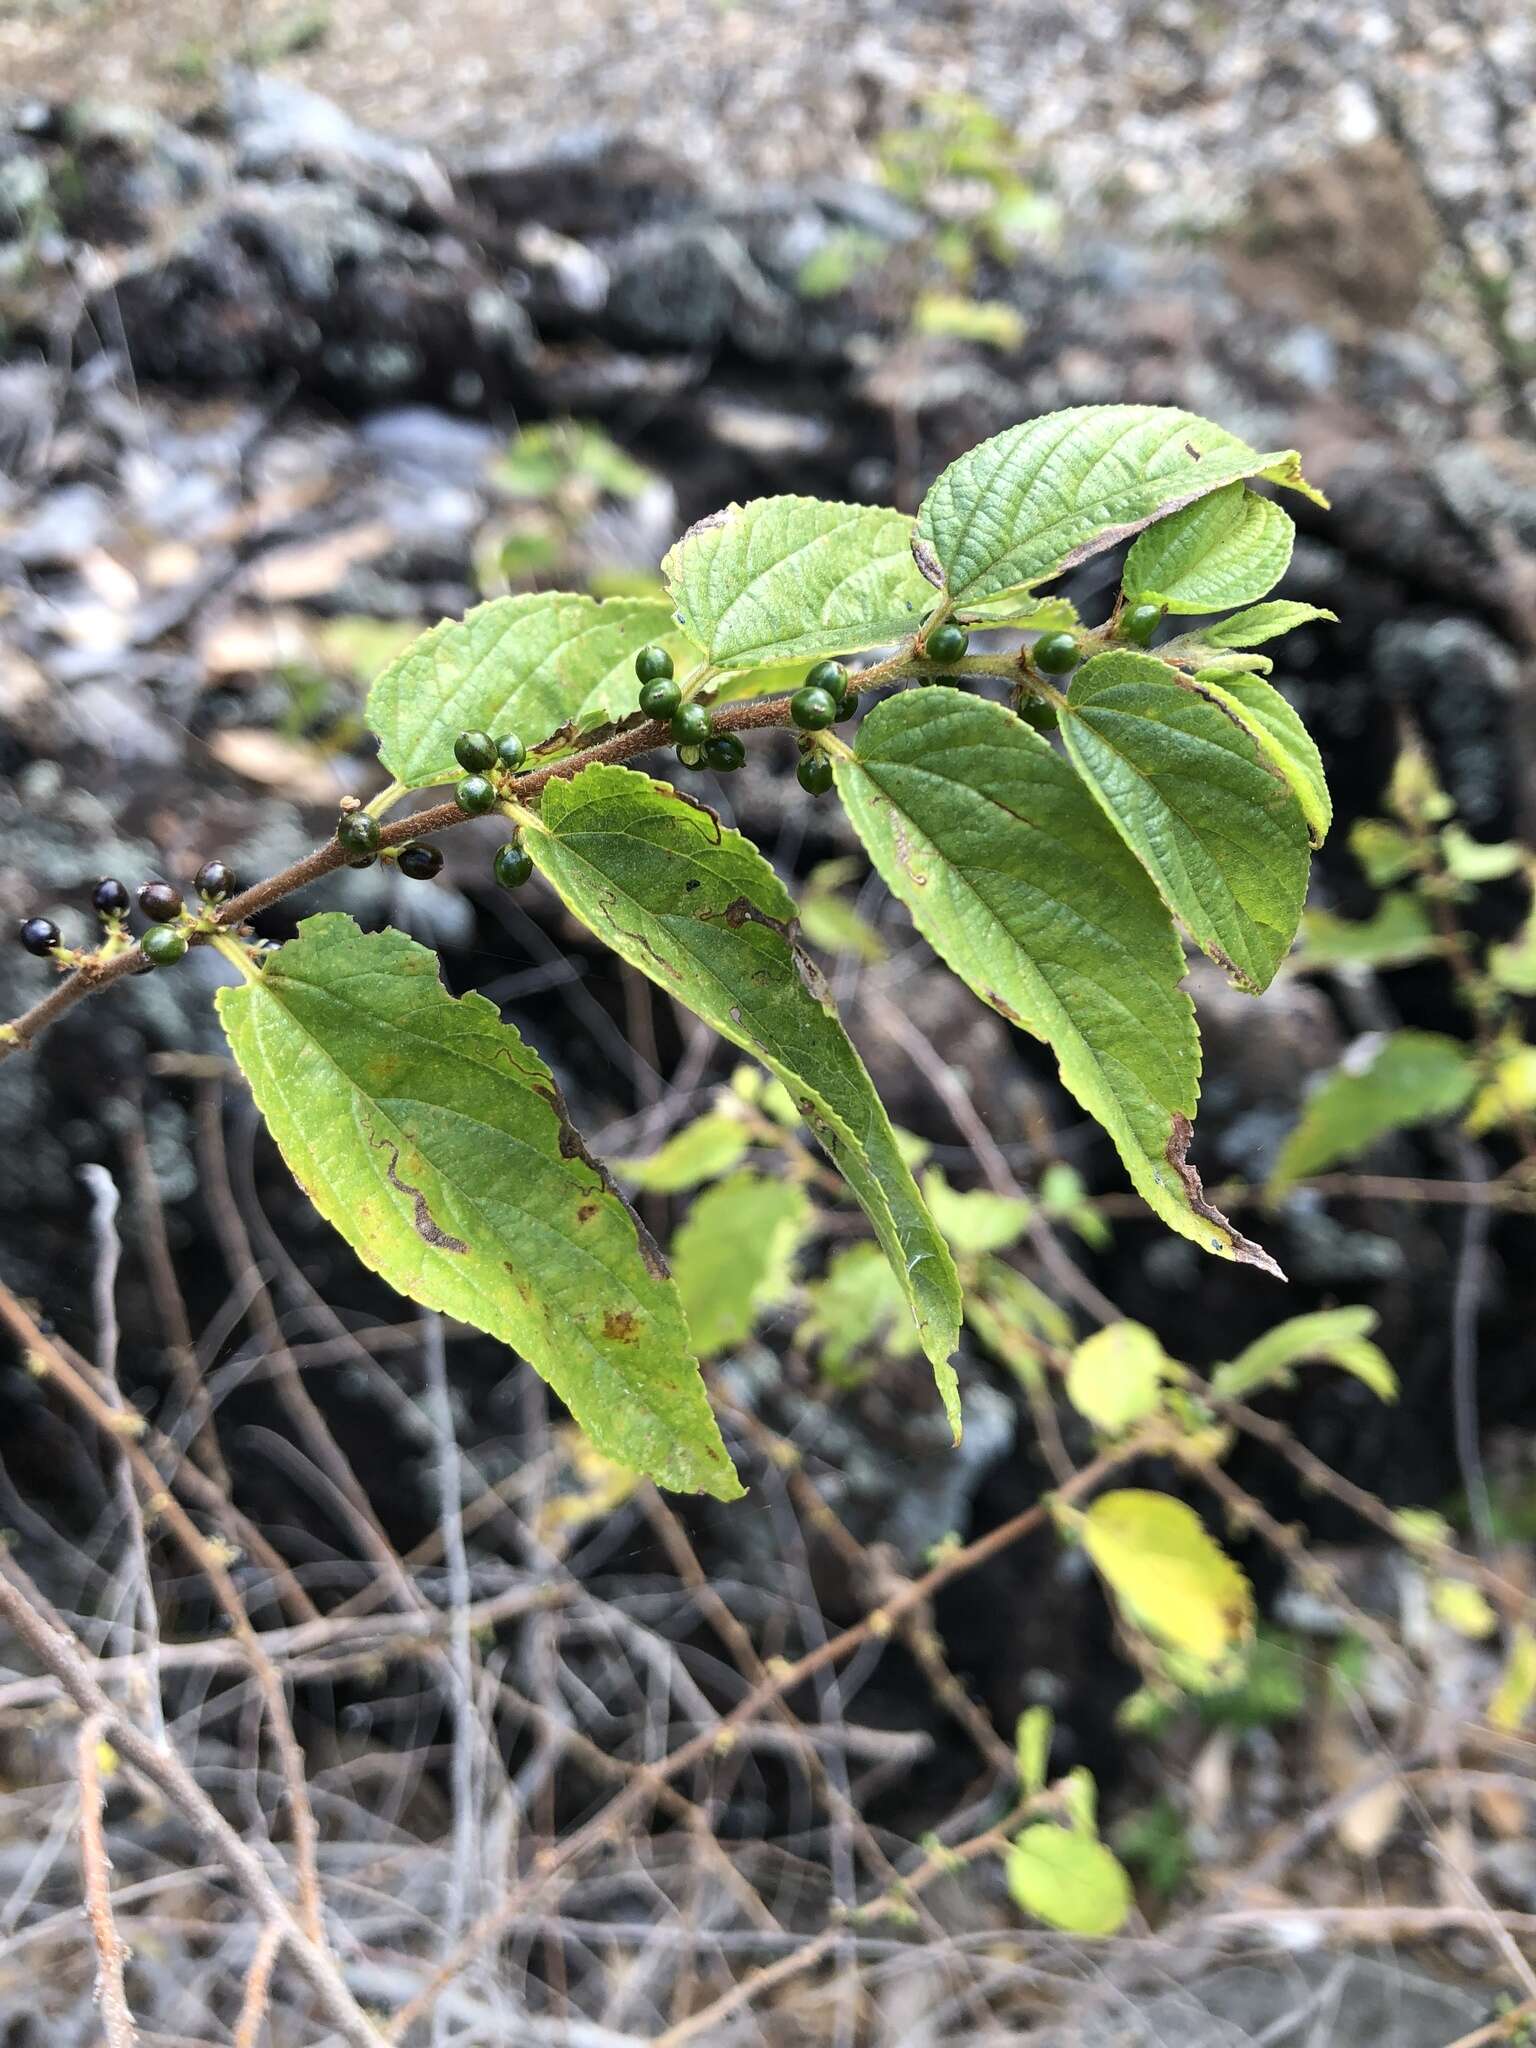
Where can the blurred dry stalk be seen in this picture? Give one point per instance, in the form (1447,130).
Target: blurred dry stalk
(562,1829)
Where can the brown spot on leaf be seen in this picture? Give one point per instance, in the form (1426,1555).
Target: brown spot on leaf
(427,1227)
(586,1212)
(620,1326)
(1243,1249)
(927,561)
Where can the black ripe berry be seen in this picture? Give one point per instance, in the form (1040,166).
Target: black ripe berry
(110,898)
(475,795)
(163,947)
(39,935)
(830,676)
(214,881)
(653,665)
(814,774)
(690,725)
(813,709)
(946,642)
(511,867)
(724,753)
(358,834)
(419,862)
(1138,622)
(475,751)
(510,753)
(159,901)
(1055,653)
(661,698)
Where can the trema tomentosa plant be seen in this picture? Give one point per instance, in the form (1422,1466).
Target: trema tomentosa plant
(1050,849)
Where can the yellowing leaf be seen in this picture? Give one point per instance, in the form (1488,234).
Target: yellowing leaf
(1168,1573)
(1331,1336)
(1068,1880)
(1032,1743)
(1116,1376)
(700,1151)
(731,1258)
(1461,1606)
(1511,1703)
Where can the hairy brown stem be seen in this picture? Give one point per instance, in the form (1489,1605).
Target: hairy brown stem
(96,1876)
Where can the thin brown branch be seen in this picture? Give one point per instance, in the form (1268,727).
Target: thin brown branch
(96,1876)
(258,1987)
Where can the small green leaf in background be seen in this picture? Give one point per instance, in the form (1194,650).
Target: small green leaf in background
(530,665)
(1513,966)
(1281,738)
(1386,853)
(1384,1084)
(543,459)
(1069,1880)
(1032,1746)
(1116,1376)
(1169,1574)
(1463,1607)
(1478,860)
(427,1133)
(1080,1796)
(1017,881)
(781,579)
(1219,831)
(1330,1336)
(696,908)
(1249,628)
(1516,1691)
(1013,1316)
(731,1257)
(975,1221)
(855,1308)
(951,316)
(830,921)
(1396,933)
(711,1145)
(1226,549)
(1042,496)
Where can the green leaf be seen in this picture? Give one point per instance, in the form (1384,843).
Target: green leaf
(1463,1607)
(698,909)
(781,579)
(856,1306)
(532,665)
(1396,933)
(1014,878)
(1281,738)
(1044,496)
(1012,1317)
(1226,549)
(1330,1336)
(436,1142)
(731,1258)
(1384,1084)
(1478,860)
(1068,1880)
(1168,1573)
(1116,1376)
(1249,628)
(1386,853)
(976,1221)
(700,1151)
(1218,830)
(1032,1746)
(830,921)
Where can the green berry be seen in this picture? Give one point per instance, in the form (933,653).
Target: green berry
(660,699)
(691,757)
(1055,653)
(830,676)
(946,642)
(358,834)
(39,935)
(814,774)
(1042,716)
(814,709)
(214,881)
(475,795)
(690,725)
(724,753)
(475,751)
(510,753)
(418,862)
(1138,622)
(163,945)
(512,866)
(159,901)
(653,665)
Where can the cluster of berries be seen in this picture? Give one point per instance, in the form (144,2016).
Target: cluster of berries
(491,763)
(826,696)
(161,902)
